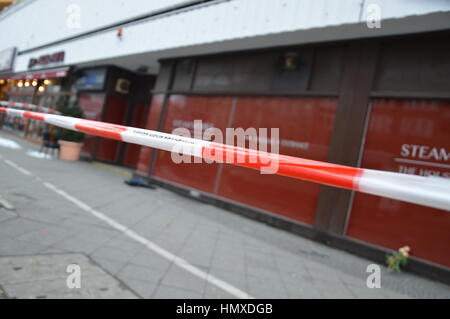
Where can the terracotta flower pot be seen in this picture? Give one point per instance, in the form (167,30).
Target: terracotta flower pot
(69,151)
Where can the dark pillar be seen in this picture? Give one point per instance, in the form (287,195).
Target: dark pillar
(349,130)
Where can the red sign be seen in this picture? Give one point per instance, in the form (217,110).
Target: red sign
(305,126)
(411,137)
(47,59)
(59,73)
(182,112)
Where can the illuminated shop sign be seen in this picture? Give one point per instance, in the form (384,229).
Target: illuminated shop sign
(92,79)
(47,59)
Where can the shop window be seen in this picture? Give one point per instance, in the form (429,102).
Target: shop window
(182,111)
(411,137)
(305,128)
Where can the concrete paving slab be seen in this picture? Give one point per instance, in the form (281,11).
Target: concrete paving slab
(45,276)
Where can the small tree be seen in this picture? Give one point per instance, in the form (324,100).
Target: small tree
(73,109)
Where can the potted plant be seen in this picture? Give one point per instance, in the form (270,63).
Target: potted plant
(70,141)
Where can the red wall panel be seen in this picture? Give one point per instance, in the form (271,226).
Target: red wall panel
(132,151)
(92,105)
(408,136)
(305,126)
(153,117)
(115,111)
(182,111)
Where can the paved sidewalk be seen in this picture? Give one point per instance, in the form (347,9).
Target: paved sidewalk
(45,276)
(227,255)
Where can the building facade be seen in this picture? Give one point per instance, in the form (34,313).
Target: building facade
(359,83)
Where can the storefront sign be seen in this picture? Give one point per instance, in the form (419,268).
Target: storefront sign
(58,73)
(306,137)
(7,59)
(47,59)
(409,137)
(91,80)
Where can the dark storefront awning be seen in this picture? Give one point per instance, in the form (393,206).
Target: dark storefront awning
(41,74)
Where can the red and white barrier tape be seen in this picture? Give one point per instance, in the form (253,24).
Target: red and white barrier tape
(427,191)
(28,106)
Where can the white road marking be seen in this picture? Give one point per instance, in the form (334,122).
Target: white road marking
(178,261)
(17,167)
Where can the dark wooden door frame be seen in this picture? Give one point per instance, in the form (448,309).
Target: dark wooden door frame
(167,86)
(121,149)
(346,144)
